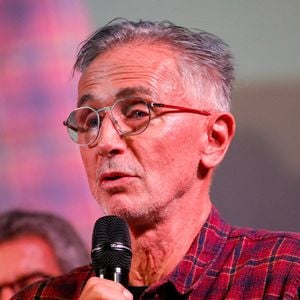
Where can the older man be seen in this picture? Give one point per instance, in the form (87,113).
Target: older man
(153,123)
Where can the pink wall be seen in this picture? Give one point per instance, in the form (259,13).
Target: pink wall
(40,168)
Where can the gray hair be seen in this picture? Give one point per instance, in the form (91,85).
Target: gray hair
(200,55)
(68,248)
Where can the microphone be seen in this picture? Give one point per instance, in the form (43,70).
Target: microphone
(111,249)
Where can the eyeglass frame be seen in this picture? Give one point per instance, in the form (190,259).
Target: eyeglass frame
(151,104)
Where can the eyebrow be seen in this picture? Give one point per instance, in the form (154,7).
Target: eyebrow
(134,91)
(85,98)
(122,93)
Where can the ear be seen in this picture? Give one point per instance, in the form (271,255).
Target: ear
(221,129)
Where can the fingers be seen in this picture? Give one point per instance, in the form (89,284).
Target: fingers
(103,289)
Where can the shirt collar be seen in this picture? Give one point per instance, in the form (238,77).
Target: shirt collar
(203,252)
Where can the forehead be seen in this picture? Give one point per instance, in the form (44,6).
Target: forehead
(25,255)
(140,67)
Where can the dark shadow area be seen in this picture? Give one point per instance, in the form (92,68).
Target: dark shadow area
(255,186)
(251,187)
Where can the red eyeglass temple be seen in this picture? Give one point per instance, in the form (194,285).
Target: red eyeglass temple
(180,108)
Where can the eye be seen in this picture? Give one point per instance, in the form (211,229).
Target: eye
(136,111)
(136,114)
(91,121)
(86,119)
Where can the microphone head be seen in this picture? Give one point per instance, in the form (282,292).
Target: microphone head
(111,246)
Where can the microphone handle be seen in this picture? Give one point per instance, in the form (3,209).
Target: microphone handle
(116,274)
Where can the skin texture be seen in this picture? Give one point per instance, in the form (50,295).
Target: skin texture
(22,256)
(164,173)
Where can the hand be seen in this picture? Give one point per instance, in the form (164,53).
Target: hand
(104,289)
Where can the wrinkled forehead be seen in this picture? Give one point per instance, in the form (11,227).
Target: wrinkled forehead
(151,66)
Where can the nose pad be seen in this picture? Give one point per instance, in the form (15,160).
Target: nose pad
(109,141)
(110,123)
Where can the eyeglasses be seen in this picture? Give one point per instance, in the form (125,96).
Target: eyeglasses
(130,116)
(24,281)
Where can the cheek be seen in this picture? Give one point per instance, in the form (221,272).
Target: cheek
(169,149)
(182,137)
(85,159)
(88,157)
(89,162)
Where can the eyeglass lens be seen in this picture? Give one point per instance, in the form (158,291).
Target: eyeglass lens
(129,116)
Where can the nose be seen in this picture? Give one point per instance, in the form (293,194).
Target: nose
(109,141)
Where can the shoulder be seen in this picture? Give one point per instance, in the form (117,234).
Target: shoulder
(257,264)
(273,257)
(257,245)
(67,286)
(263,240)
(263,246)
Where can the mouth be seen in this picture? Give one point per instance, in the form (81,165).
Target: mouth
(113,177)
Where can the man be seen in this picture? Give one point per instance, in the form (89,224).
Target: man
(153,123)
(34,246)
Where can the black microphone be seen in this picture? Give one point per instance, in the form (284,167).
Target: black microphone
(111,249)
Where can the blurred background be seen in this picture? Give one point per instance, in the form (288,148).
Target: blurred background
(258,183)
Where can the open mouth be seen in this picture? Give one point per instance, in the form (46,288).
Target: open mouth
(113,176)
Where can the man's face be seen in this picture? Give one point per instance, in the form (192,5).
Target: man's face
(141,177)
(24,260)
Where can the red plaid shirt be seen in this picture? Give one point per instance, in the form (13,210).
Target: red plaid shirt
(223,262)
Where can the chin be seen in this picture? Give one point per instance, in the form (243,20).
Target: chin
(139,218)
(130,210)
(117,204)
(124,212)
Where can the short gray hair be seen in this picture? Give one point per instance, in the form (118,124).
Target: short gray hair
(67,246)
(199,53)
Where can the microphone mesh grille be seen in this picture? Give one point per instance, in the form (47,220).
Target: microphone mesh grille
(110,230)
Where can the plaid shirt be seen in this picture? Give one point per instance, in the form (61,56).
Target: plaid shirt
(223,262)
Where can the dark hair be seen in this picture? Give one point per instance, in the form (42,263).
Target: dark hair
(60,235)
(199,53)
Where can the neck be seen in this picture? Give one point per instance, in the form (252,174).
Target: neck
(159,247)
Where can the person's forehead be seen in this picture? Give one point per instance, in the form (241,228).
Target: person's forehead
(130,58)
(29,253)
(139,51)
(129,66)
